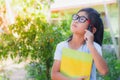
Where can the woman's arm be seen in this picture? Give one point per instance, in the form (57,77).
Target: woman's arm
(98,60)
(56,75)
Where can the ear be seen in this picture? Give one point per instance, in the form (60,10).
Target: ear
(94,30)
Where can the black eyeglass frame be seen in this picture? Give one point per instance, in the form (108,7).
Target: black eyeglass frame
(77,17)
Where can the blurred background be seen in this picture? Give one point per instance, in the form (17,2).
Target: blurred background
(31,29)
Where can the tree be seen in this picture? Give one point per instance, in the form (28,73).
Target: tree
(31,36)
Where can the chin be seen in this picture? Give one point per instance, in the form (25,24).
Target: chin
(73,31)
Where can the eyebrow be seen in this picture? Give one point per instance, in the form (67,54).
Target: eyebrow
(83,15)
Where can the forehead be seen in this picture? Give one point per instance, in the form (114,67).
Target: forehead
(82,13)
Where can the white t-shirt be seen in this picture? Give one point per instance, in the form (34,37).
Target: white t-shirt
(83,48)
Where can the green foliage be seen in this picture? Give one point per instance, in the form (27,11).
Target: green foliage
(55,15)
(36,71)
(65,24)
(2,2)
(32,37)
(36,39)
(113,65)
(107,37)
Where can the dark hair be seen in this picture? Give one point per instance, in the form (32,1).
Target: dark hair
(95,21)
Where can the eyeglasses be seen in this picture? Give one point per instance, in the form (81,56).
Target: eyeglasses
(80,19)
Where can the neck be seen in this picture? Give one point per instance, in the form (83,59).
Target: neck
(77,41)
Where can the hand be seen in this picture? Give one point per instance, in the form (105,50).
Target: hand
(89,38)
(82,78)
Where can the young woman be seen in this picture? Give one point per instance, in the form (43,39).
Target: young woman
(85,40)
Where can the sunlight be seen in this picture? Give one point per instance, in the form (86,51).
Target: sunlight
(63,4)
(9,14)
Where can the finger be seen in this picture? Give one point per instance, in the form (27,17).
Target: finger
(84,77)
(85,38)
(86,30)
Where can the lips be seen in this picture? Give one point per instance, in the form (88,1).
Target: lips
(74,25)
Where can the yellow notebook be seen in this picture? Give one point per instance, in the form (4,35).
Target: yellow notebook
(75,63)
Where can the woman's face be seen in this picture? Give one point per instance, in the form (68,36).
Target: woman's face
(77,26)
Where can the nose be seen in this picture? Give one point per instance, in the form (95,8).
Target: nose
(76,21)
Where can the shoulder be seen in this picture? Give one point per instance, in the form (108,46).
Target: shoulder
(97,45)
(58,51)
(98,48)
(62,44)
